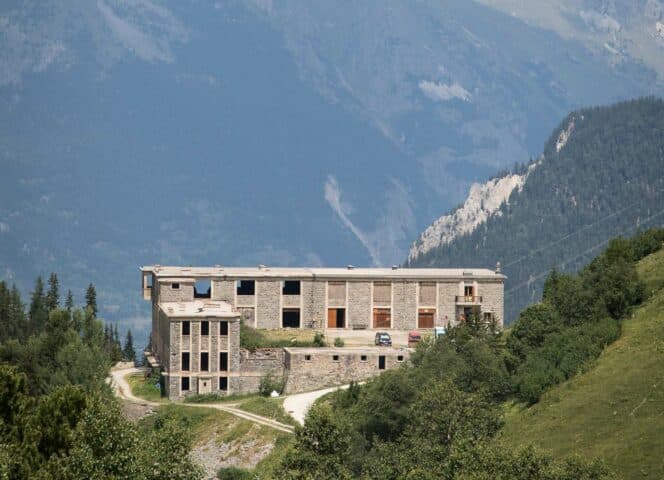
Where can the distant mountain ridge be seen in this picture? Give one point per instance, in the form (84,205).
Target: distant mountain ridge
(601,175)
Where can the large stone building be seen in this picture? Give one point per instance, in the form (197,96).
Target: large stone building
(196,315)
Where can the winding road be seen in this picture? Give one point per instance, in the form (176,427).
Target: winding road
(123,391)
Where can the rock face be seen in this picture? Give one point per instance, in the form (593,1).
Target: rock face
(483,201)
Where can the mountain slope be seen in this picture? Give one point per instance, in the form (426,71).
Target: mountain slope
(601,174)
(613,411)
(251,131)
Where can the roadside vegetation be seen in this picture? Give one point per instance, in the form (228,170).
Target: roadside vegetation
(252,338)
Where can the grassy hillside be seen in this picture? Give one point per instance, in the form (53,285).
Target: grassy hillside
(616,410)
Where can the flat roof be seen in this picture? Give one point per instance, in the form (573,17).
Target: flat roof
(175,272)
(353,350)
(198,309)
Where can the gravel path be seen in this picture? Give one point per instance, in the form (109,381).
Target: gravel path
(298,405)
(123,390)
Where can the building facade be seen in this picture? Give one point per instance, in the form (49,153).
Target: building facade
(196,314)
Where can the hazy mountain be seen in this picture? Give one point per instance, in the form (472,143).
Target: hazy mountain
(601,175)
(288,132)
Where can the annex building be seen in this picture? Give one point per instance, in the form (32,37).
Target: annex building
(196,314)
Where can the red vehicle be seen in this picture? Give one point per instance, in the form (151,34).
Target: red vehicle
(413,338)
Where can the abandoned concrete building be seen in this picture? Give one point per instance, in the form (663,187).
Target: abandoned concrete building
(196,314)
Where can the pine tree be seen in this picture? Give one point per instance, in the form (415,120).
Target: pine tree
(52,299)
(69,303)
(16,311)
(128,352)
(38,310)
(91,299)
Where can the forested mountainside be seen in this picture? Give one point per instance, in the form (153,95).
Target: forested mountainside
(601,175)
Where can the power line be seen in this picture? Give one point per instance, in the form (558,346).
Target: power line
(571,234)
(585,252)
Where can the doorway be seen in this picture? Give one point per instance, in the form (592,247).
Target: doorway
(336,318)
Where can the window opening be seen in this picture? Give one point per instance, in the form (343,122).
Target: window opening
(290,318)
(205,358)
(223,361)
(203,288)
(291,287)
(246,287)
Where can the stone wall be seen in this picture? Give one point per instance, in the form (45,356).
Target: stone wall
(313,304)
(493,299)
(359,304)
(256,364)
(447,292)
(185,293)
(223,290)
(316,368)
(404,305)
(268,303)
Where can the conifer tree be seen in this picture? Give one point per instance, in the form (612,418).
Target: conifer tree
(91,299)
(38,310)
(52,299)
(69,303)
(128,352)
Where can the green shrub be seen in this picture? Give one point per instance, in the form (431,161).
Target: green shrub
(271,383)
(319,340)
(234,473)
(339,342)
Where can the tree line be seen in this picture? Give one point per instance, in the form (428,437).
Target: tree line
(58,416)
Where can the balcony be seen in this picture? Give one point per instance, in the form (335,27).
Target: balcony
(468,299)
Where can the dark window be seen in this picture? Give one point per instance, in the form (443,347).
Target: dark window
(290,318)
(223,328)
(205,328)
(291,287)
(203,288)
(307,358)
(223,383)
(184,384)
(399,358)
(246,287)
(363,358)
(381,362)
(223,361)
(175,286)
(204,361)
(185,361)
(335,358)
(186,328)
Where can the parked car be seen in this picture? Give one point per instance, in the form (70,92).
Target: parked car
(383,339)
(438,332)
(413,338)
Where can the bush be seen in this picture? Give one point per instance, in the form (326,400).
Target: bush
(319,340)
(271,383)
(204,398)
(234,473)
(339,342)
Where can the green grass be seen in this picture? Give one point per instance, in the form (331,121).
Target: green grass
(146,388)
(615,411)
(268,407)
